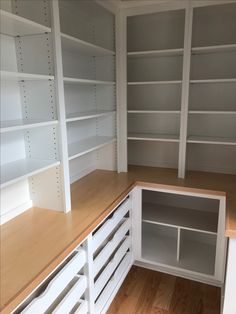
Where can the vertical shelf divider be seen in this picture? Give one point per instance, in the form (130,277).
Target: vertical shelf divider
(59,94)
(178,244)
(185,90)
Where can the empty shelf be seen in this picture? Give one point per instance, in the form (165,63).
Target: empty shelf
(15,125)
(88,145)
(87,115)
(211,112)
(153,137)
(212,49)
(204,81)
(155,111)
(180,217)
(15,25)
(17,76)
(82,47)
(86,81)
(155,82)
(24,168)
(211,140)
(156,53)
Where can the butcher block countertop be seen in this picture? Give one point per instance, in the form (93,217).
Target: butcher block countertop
(35,242)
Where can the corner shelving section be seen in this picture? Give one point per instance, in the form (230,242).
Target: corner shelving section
(29,125)
(154,81)
(211,141)
(88,59)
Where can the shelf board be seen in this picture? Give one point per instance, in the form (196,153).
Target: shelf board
(73,44)
(211,140)
(17,76)
(203,81)
(87,115)
(212,49)
(24,168)
(155,82)
(211,112)
(16,125)
(153,137)
(88,145)
(86,81)
(155,111)
(180,217)
(156,53)
(15,25)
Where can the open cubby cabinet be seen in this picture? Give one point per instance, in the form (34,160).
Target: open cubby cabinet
(180,232)
(58,100)
(181,86)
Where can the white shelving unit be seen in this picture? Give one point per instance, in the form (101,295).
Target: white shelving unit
(154,75)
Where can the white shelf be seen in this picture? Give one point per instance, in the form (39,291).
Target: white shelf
(24,168)
(88,145)
(155,111)
(153,137)
(14,25)
(211,140)
(17,76)
(87,115)
(211,112)
(180,217)
(158,246)
(212,49)
(156,53)
(86,81)
(231,80)
(73,44)
(15,125)
(155,82)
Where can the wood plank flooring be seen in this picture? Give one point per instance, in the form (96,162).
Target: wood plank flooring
(151,292)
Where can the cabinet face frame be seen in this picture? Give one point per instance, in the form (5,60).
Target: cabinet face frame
(219,267)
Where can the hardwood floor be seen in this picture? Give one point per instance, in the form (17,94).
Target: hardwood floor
(151,292)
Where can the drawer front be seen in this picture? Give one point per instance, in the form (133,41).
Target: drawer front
(110,224)
(71,298)
(113,282)
(111,266)
(111,246)
(41,303)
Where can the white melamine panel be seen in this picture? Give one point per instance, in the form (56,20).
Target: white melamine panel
(153,137)
(15,199)
(156,53)
(14,25)
(213,96)
(80,167)
(107,156)
(37,11)
(154,97)
(87,81)
(43,302)
(8,53)
(155,69)
(212,49)
(213,25)
(88,21)
(220,65)
(17,76)
(154,154)
(209,125)
(213,158)
(82,47)
(168,26)
(163,124)
(197,252)
(87,115)
(10,101)
(159,244)
(180,217)
(14,125)
(81,307)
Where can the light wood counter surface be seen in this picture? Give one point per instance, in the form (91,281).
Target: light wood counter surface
(35,242)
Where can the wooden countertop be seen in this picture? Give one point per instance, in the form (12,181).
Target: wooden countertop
(35,242)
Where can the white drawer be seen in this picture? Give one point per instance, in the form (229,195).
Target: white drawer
(110,247)
(71,298)
(110,224)
(111,266)
(81,307)
(41,303)
(113,282)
